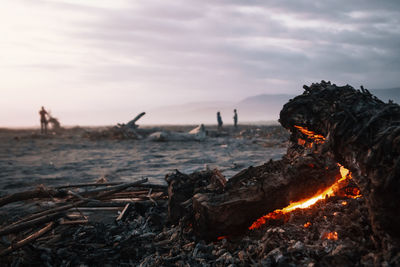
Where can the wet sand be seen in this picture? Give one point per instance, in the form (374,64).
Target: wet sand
(28,159)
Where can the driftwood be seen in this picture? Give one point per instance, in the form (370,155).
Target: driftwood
(86,185)
(132,123)
(363,134)
(197,134)
(40,192)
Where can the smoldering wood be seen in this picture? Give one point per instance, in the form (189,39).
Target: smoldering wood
(363,134)
(259,190)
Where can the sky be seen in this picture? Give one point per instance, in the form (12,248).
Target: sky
(99,62)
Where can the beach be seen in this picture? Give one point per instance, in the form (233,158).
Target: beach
(28,159)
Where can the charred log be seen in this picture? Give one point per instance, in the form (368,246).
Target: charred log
(363,134)
(258,190)
(182,187)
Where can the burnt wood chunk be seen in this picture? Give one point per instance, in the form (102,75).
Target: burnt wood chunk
(182,187)
(363,134)
(257,191)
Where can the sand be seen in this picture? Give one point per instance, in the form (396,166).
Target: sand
(28,159)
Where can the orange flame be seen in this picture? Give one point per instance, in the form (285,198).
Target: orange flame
(306,203)
(307,224)
(318,139)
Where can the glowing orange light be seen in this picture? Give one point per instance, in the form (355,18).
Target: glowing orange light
(306,203)
(301,142)
(344,203)
(317,138)
(307,224)
(222,237)
(330,235)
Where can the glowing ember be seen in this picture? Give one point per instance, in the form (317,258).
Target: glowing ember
(307,224)
(344,203)
(330,235)
(353,192)
(306,203)
(318,139)
(222,237)
(301,142)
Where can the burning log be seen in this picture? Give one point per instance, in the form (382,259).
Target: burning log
(363,134)
(259,190)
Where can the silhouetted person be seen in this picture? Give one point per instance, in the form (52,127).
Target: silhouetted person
(235,118)
(219,119)
(43,121)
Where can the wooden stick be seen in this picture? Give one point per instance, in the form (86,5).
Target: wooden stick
(80,202)
(28,239)
(124,213)
(40,192)
(68,222)
(99,208)
(115,189)
(25,225)
(86,185)
(151,199)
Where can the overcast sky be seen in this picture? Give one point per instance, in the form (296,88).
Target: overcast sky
(103,61)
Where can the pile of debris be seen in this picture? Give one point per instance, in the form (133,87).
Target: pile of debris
(119,132)
(334,232)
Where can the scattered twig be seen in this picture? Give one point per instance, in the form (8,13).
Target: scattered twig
(124,212)
(80,202)
(151,199)
(28,239)
(27,224)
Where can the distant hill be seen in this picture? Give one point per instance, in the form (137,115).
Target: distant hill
(262,107)
(259,108)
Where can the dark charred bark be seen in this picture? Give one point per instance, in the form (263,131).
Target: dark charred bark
(363,134)
(182,187)
(257,191)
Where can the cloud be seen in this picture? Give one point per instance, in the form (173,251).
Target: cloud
(156,52)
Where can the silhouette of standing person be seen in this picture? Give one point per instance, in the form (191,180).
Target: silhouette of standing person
(219,120)
(43,120)
(235,118)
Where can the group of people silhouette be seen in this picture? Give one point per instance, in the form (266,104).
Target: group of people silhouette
(45,118)
(235,119)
